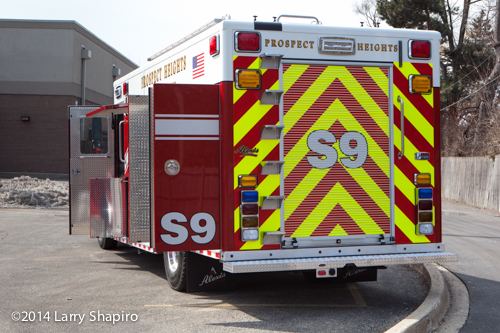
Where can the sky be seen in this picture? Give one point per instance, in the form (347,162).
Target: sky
(140,28)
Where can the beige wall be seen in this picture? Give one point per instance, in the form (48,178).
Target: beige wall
(40,75)
(44,58)
(472,180)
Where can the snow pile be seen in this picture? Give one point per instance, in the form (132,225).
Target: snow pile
(25,191)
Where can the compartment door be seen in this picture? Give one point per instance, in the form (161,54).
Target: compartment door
(91,143)
(186,167)
(336,146)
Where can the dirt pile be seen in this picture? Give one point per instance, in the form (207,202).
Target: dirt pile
(27,192)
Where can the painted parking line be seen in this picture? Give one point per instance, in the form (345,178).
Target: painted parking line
(356,295)
(228,305)
(360,301)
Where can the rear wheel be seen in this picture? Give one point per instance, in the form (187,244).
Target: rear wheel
(107,243)
(175,269)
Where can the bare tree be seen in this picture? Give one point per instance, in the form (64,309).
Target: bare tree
(487,107)
(368,10)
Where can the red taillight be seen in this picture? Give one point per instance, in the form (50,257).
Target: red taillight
(125,88)
(420,49)
(214,45)
(247,41)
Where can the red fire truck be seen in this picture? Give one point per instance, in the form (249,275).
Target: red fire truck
(265,147)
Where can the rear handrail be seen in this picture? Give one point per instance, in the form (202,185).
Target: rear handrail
(300,16)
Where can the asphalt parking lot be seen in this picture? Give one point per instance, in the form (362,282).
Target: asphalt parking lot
(55,282)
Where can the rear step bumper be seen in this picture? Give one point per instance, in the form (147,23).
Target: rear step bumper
(281,265)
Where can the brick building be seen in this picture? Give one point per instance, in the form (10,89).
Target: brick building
(40,75)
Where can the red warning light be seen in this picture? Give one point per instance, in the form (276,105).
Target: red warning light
(214,45)
(420,49)
(247,41)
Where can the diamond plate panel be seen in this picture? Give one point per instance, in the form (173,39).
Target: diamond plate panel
(85,166)
(107,207)
(278,265)
(139,166)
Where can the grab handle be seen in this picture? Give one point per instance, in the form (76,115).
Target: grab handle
(402,107)
(300,16)
(120,149)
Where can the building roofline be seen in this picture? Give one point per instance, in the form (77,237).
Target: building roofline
(64,24)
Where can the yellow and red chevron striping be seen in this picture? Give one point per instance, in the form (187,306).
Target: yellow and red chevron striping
(249,117)
(338,200)
(419,136)
(348,206)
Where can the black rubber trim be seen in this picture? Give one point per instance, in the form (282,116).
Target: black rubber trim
(276,26)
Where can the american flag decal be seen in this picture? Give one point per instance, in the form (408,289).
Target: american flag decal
(198,65)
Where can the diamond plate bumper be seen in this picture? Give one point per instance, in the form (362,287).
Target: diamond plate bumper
(279,265)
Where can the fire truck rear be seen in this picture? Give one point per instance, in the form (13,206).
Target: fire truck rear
(268,146)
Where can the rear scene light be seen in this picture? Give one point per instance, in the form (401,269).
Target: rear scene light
(420,49)
(425,229)
(214,45)
(247,41)
(250,235)
(118,92)
(336,45)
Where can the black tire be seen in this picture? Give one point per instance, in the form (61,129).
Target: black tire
(175,269)
(107,243)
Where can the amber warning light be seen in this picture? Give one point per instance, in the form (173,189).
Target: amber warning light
(248,79)
(420,84)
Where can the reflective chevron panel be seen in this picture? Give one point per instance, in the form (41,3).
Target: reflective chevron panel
(250,116)
(419,136)
(336,151)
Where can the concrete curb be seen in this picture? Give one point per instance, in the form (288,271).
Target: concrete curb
(458,312)
(428,315)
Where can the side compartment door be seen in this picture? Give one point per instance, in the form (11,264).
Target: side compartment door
(91,143)
(186,167)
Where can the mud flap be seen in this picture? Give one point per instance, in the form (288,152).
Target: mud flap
(357,274)
(206,274)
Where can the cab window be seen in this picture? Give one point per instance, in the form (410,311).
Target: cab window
(94,135)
